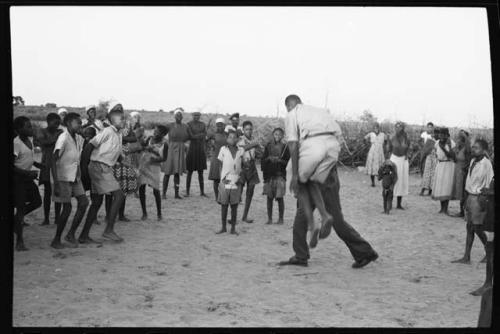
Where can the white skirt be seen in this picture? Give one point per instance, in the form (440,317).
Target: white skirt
(403,170)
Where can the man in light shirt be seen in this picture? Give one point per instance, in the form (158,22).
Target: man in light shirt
(479,177)
(235,125)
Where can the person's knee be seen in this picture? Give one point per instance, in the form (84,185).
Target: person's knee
(83,202)
(118,195)
(96,200)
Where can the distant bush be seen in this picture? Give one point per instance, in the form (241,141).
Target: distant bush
(50,105)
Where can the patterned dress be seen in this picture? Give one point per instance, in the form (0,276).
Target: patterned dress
(429,169)
(444,175)
(215,164)
(375,157)
(126,176)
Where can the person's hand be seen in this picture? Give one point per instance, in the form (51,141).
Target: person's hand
(294,184)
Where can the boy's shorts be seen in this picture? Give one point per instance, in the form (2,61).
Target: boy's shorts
(68,190)
(317,156)
(249,175)
(475,214)
(275,187)
(102,179)
(228,196)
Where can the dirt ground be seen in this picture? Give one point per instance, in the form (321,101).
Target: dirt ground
(180,273)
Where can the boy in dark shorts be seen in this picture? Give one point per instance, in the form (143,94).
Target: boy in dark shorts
(387,173)
(249,175)
(67,181)
(26,195)
(273,163)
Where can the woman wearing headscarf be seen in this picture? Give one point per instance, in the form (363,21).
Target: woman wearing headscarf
(463,157)
(218,140)
(445,170)
(429,152)
(398,148)
(92,120)
(196,159)
(176,159)
(375,157)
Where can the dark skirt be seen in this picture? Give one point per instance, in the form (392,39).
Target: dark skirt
(196,158)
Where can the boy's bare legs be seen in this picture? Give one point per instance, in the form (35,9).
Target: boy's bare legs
(317,199)
(281,210)
(234,213)
(82,204)
(166,178)
(248,201)
(91,217)
(61,224)
(269,210)
(305,201)
(224,209)
(109,233)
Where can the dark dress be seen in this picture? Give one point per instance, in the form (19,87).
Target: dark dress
(215,164)
(196,158)
(47,152)
(84,164)
(176,159)
(274,172)
(461,166)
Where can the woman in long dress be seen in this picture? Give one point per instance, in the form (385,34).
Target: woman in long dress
(375,156)
(445,170)
(196,159)
(463,156)
(429,151)
(398,147)
(218,140)
(176,160)
(149,168)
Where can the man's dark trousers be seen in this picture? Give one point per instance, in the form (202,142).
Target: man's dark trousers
(359,247)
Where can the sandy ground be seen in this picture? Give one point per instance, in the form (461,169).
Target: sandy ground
(179,273)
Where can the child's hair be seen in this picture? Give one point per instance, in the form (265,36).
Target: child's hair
(245,123)
(163,129)
(19,122)
(90,129)
(52,117)
(278,129)
(292,97)
(70,117)
(483,143)
(431,124)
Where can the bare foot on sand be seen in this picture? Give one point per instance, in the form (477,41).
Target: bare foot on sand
(112,236)
(462,260)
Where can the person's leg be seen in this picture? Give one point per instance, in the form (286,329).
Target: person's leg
(201,182)
(385,194)
(82,204)
(188,182)
(319,203)
(445,207)
(177,180)
(372,177)
(361,250)
(422,192)
(57,209)
(121,213)
(96,202)
(486,309)
(281,210)
(269,210)
(399,199)
(224,208)
(390,197)
(61,224)
(478,230)
(216,189)
(469,241)
(300,247)
(488,283)
(20,196)
(156,194)
(47,196)
(165,185)
(234,213)
(142,198)
(248,201)
(107,204)
(118,198)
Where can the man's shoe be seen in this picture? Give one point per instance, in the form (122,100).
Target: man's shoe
(293,261)
(365,261)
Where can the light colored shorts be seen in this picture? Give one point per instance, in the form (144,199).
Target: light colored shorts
(317,156)
(102,179)
(68,190)
(228,196)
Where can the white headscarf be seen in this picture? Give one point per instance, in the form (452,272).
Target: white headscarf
(113,105)
(220,120)
(135,114)
(90,107)
(61,110)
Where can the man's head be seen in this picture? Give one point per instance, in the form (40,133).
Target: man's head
(291,102)
(73,122)
(91,112)
(399,127)
(247,129)
(430,127)
(376,128)
(220,124)
(232,137)
(22,126)
(89,132)
(196,116)
(178,115)
(53,121)
(235,120)
(479,148)
(116,117)
(278,134)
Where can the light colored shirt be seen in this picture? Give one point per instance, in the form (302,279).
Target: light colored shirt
(23,155)
(70,149)
(425,136)
(441,156)
(305,120)
(248,155)
(98,126)
(231,167)
(479,177)
(231,127)
(108,146)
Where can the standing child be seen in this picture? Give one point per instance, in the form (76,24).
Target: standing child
(67,181)
(150,169)
(231,157)
(47,140)
(107,146)
(88,134)
(273,164)
(249,174)
(388,174)
(26,195)
(218,141)
(313,139)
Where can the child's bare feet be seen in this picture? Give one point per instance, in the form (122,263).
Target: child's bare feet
(280,221)
(144,217)
(112,236)
(159,218)
(20,247)
(313,241)
(269,222)
(71,239)
(233,231)
(222,230)
(56,244)
(87,241)
(163,196)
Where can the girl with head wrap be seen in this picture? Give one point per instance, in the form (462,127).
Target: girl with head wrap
(398,148)
(375,157)
(429,152)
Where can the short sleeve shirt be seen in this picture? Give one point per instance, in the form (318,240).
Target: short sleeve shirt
(306,120)
(23,155)
(480,177)
(231,167)
(108,146)
(70,151)
(425,136)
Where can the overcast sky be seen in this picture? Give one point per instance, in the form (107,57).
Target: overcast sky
(411,64)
